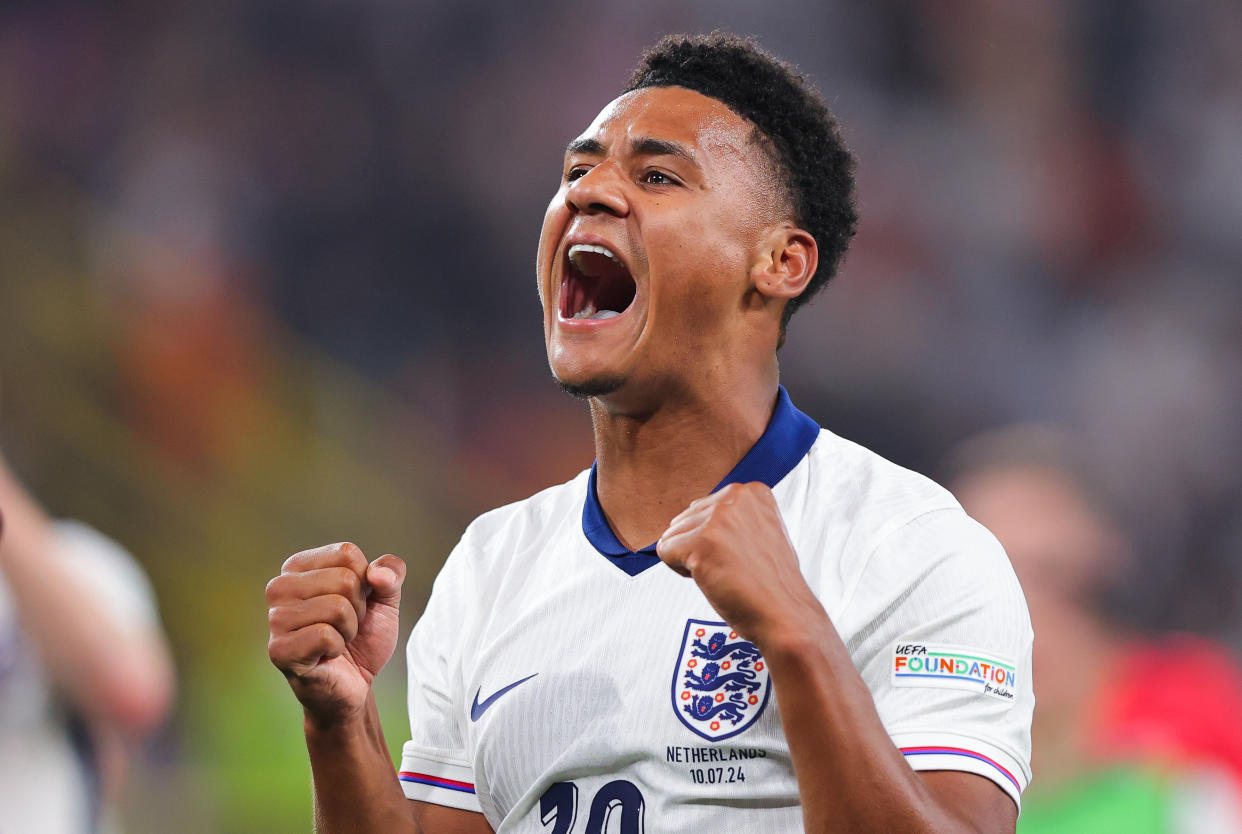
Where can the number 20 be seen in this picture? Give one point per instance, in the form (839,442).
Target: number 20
(558,807)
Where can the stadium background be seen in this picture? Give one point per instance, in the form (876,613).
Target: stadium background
(266,282)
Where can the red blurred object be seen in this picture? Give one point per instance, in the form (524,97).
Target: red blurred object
(1178,699)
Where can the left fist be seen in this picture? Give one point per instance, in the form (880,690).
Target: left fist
(733,544)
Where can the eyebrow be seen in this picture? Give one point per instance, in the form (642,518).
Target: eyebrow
(590,147)
(661,147)
(643,146)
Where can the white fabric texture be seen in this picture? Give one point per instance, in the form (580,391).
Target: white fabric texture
(891,556)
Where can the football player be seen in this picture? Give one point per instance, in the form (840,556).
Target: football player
(734,620)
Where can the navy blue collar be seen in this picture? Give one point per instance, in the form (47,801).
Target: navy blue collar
(788,437)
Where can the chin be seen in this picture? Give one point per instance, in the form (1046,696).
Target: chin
(598,386)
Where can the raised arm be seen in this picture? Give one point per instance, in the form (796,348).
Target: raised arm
(113,670)
(851,777)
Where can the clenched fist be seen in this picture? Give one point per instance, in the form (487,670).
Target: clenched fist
(334,620)
(733,544)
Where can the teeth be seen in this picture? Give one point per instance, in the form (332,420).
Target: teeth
(589,312)
(582,248)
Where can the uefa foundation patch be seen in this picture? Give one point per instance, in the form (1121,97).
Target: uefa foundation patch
(953,667)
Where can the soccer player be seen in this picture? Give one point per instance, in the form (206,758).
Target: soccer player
(734,620)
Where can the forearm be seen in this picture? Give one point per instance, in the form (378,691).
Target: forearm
(112,674)
(355,784)
(850,775)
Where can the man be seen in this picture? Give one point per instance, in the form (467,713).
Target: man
(825,611)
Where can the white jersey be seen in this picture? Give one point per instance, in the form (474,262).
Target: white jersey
(561,683)
(49,781)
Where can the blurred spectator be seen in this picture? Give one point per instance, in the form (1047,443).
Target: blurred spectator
(1131,733)
(84,670)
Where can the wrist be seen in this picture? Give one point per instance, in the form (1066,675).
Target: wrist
(334,723)
(791,646)
(811,654)
(796,630)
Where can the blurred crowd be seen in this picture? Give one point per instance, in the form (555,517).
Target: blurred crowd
(264,195)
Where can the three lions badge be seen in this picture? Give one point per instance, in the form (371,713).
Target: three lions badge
(720,684)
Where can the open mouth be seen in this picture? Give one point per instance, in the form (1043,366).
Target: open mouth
(596,284)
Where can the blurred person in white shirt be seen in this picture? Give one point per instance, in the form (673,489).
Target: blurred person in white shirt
(85,671)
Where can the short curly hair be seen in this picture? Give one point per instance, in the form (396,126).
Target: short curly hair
(799,133)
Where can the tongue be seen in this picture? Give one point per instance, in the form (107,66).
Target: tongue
(606,285)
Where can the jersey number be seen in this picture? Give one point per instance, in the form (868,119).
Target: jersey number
(558,807)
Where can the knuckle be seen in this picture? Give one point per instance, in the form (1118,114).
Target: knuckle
(353,557)
(273,591)
(342,610)
(318,634)
(328,639)
(277,651)
(349,583)
(305,560)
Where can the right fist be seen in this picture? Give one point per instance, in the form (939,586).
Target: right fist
(334,620)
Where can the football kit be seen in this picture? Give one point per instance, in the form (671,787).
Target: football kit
(561,683)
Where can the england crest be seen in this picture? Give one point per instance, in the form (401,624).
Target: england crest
(720,684)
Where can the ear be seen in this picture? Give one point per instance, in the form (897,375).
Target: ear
(785,264)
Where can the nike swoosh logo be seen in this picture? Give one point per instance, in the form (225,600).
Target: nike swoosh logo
(477,709)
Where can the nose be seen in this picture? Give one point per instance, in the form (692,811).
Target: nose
(598,191)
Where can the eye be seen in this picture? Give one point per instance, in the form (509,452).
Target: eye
(576,173)
(654,177)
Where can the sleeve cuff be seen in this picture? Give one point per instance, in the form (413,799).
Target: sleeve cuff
(952,751)
(431,777)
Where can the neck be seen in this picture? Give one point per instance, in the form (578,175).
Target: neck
(652,462)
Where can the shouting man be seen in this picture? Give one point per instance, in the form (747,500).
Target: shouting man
(735,620)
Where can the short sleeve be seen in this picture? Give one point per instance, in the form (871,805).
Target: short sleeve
(941,635)
(106,566)
(435,764)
